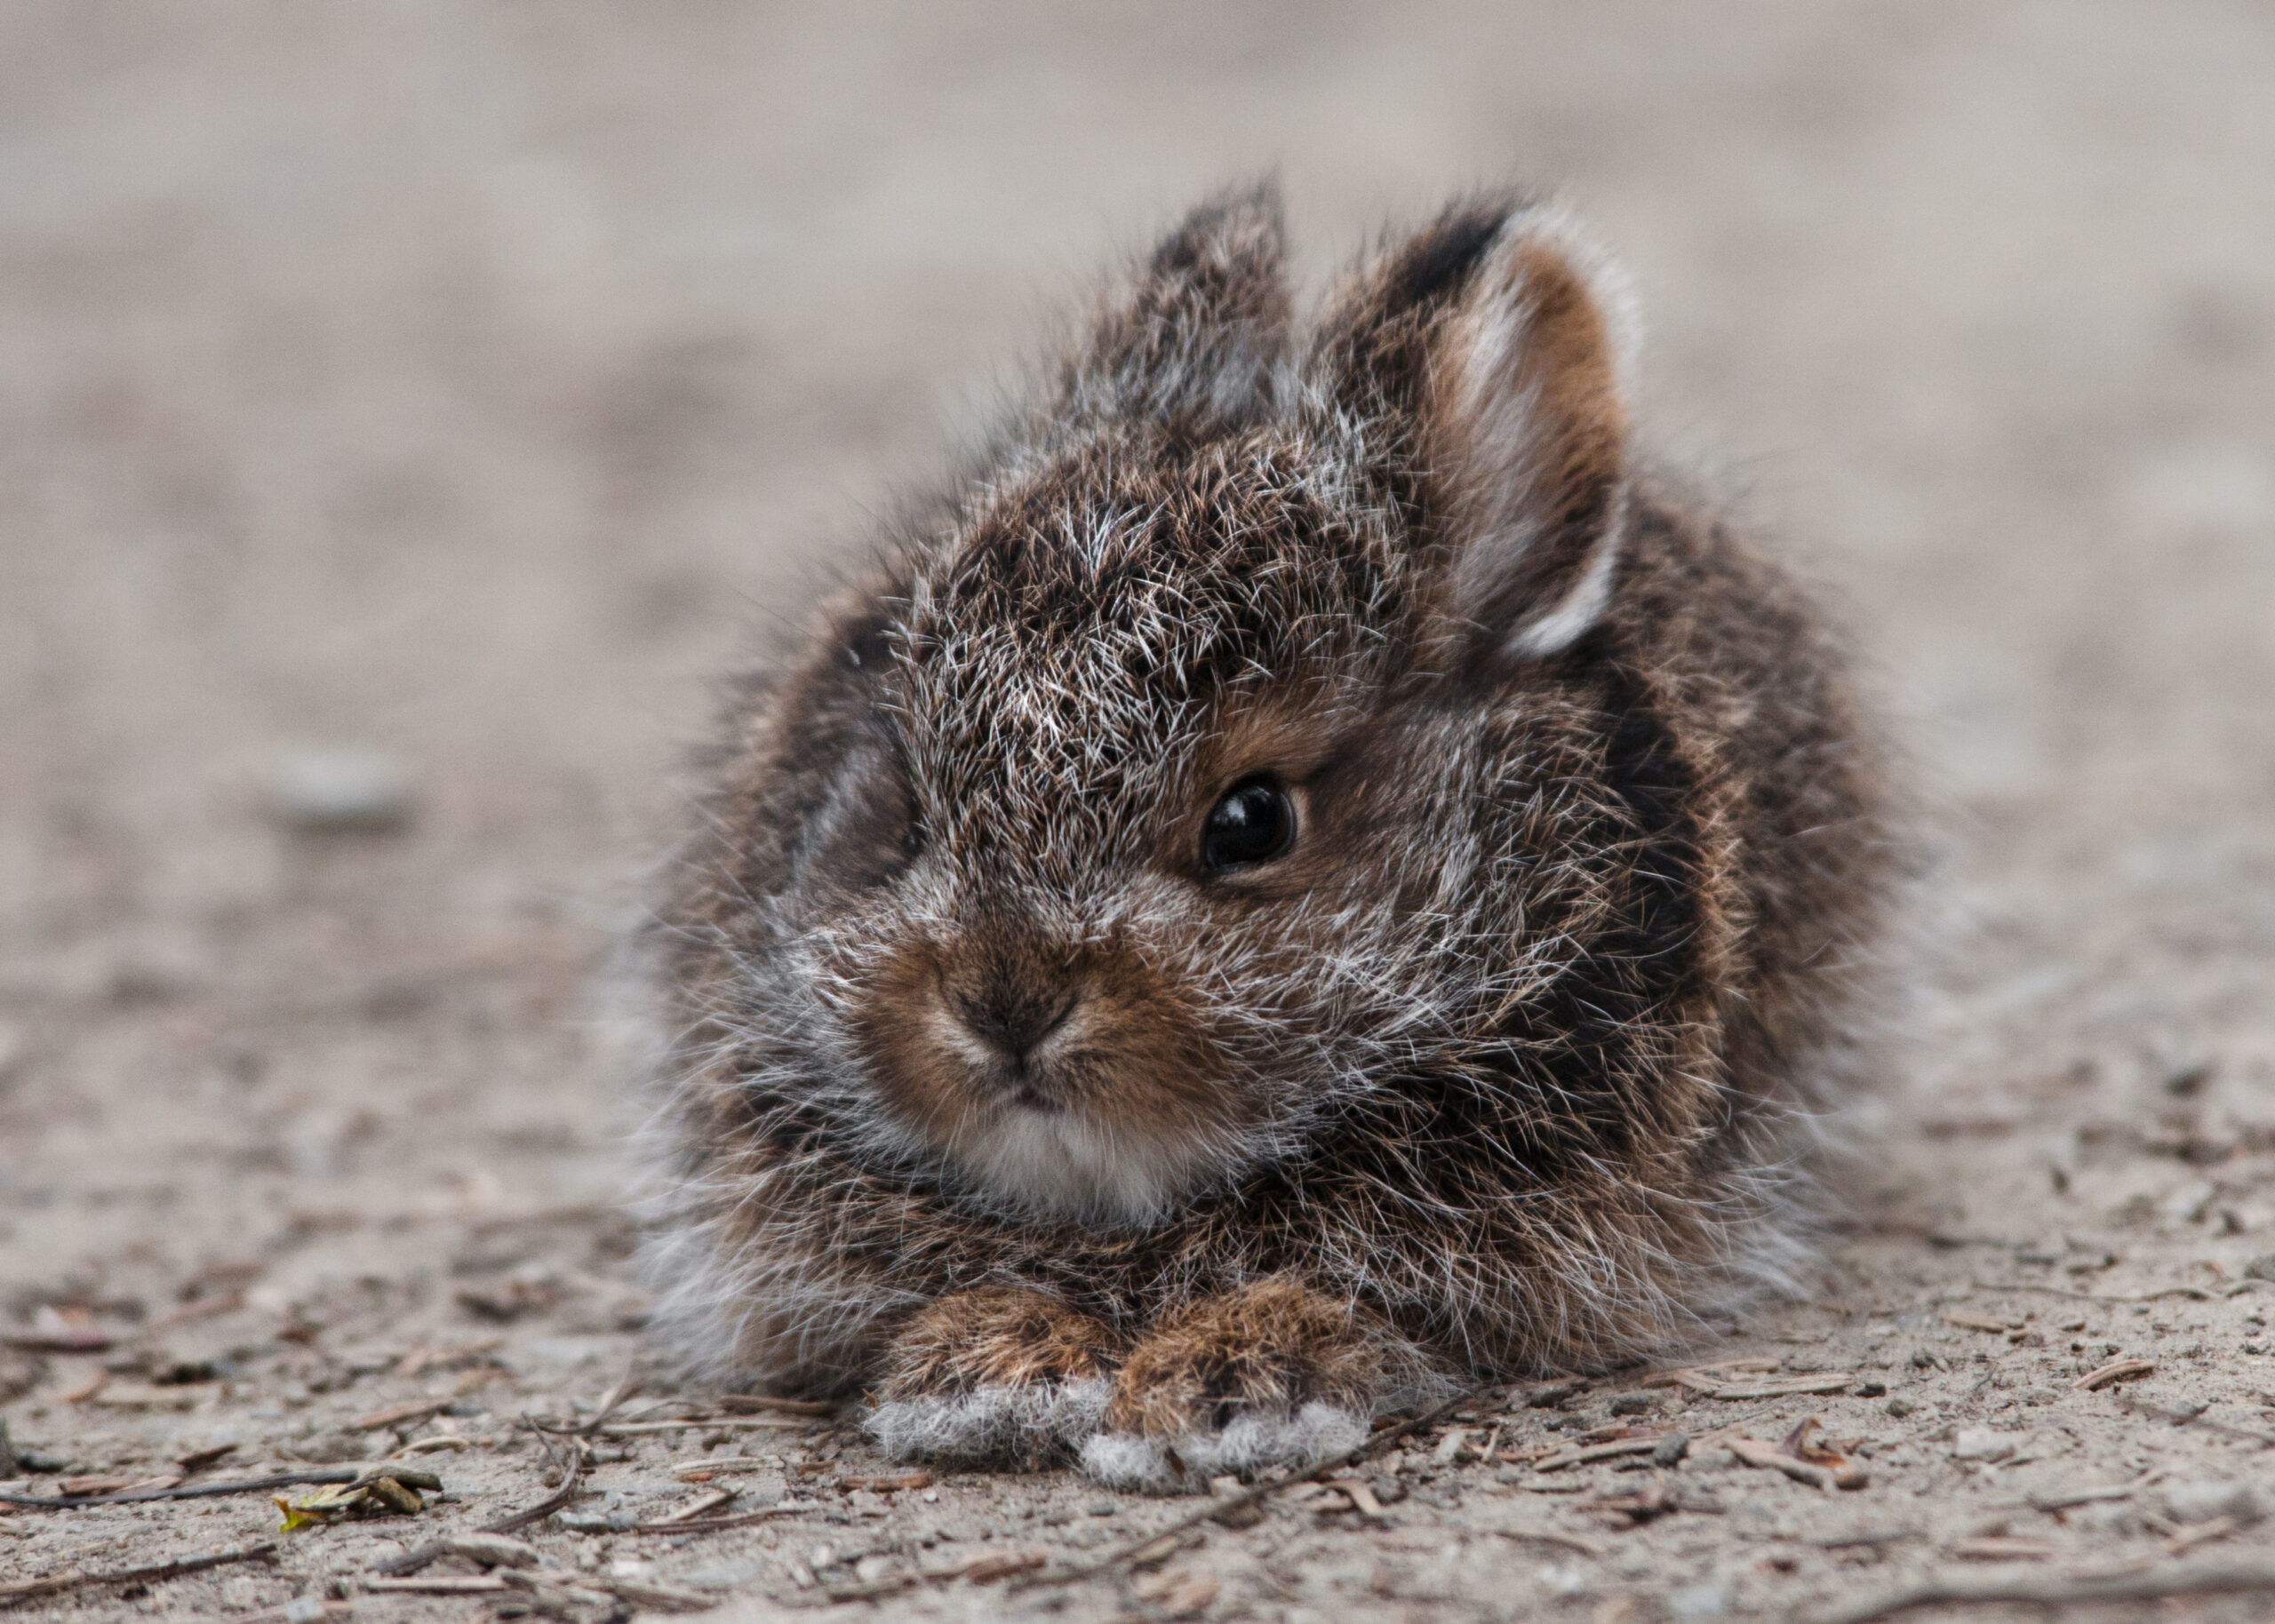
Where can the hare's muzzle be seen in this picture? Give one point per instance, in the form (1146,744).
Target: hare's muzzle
(1072,1080)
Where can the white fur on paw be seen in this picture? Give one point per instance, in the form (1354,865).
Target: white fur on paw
(990,1423)
(1184,1464)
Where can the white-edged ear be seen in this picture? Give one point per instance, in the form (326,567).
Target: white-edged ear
(1524,411)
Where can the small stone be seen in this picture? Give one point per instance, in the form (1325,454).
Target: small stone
(340,792)
(1870,1389)
(1507,1474)
(1388,1490)
(2261,1268)
(1672,1449)
(1921,1359)
(1982,1444)
(1632,1403)
(1900,1407)
(2201,1503)
(1103,1507)
(492,1551)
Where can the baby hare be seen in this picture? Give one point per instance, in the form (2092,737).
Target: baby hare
(1308,876)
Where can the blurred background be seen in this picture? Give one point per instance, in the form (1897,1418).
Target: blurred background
(406,411)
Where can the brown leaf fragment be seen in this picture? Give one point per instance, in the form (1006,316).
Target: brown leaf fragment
(2115,1370)
(887,1483)
(73,1488)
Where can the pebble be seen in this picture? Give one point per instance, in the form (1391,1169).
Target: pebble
(1632,1403)
(1899,1407)
(341,792)
(2261,1268)
(1103,1507)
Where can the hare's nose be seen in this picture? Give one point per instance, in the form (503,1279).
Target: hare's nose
(1017,1020)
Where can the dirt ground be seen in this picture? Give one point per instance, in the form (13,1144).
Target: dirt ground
(465,383)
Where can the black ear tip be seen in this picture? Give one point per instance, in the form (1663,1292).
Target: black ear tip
(1440,258)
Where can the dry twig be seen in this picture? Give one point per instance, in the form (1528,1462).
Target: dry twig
(58,1584)
(2238,1577)
(192,1491)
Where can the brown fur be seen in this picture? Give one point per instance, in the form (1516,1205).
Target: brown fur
(1271,1348)
(1505,1062)
(999,1335)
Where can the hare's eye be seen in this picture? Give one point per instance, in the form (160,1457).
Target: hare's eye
(1254,822)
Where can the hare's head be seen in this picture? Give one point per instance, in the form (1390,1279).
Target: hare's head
(1200,774)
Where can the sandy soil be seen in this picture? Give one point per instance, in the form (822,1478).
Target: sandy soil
(467,382)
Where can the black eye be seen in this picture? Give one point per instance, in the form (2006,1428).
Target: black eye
(1254,822)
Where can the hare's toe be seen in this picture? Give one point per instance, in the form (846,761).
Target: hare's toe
(1272,1375)
(1184,1463)
(1001,1375)
(1005,1424)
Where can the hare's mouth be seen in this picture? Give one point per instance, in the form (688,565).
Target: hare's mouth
(1060,1083)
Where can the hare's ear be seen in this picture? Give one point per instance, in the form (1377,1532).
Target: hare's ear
(1490,353)
(1198,334)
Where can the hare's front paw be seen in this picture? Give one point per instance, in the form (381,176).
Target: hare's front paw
(997,1376)
(1272,1375)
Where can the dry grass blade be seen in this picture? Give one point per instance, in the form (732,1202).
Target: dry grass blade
(2239,1578)
(58,1584)
(716,1525)
(194,1491)
(2115,1370)
(1581,1456)
(746,1402)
